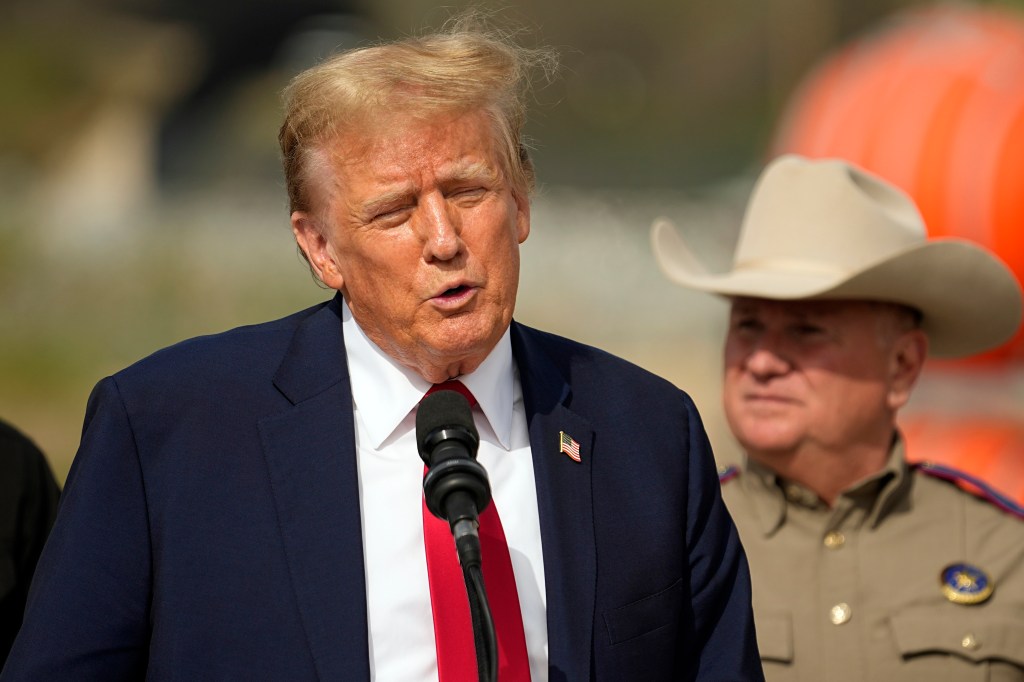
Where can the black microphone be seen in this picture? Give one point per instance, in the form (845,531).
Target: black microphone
(455,485)
(456,489)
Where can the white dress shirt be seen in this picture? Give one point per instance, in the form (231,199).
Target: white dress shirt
(384,396)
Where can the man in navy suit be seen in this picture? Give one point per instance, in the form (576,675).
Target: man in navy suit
(248,506)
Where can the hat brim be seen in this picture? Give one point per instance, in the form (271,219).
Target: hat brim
(969,300)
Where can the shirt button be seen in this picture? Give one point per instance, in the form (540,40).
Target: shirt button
(797,495)
(970,642)
(834,540)
(840,613)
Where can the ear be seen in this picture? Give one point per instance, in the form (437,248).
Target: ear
(906,361)
(317,248)
(522,215)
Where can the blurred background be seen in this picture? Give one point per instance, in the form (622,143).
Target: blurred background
(141,199)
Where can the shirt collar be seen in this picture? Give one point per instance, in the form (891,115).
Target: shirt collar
(385,392)
(881,491)
(895,482)
(769,501)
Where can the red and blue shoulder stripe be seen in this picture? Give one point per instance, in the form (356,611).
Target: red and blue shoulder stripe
(727,473)
(971,484)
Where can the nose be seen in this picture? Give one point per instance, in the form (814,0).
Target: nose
(765,361)
(439,229)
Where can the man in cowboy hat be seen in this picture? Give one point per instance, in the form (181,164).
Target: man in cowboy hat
(863,567)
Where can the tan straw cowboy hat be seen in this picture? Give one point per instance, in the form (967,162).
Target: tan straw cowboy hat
(828,230)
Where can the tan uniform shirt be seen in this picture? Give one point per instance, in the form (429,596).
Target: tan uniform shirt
(853,592)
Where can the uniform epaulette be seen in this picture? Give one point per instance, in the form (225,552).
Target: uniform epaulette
(971,484)
(727,473)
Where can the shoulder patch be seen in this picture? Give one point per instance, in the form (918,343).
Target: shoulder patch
(970,484)
(727,473)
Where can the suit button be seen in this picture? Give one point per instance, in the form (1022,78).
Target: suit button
(840,613)
(970,642)
(834,540)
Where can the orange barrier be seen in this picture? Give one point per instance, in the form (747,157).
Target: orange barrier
(989,449)
(932,100)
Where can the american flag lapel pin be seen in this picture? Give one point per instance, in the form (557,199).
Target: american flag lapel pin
(569,446)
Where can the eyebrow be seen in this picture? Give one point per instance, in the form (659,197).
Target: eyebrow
(387,200)
(470,171)
(406,192)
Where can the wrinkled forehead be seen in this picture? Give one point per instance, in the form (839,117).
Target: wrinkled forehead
(355,142)
(467,128)
(388,149)
(802,308)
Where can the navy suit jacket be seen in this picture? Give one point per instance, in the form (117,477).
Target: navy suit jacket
(210,528)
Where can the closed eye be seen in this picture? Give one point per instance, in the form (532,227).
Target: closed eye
(468,193)
(392,215)
(746,324)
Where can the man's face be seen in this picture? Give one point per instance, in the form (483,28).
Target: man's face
(421,234)
(814,375)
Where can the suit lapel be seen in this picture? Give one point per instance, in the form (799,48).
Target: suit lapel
(565,502)
(309,450)
(310,454)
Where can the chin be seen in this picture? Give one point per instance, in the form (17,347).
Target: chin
(769,453)
(766,438)
(470,333)
(455,349)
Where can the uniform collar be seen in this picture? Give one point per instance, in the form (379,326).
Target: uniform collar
(769,500)
(880,493)
(895,483)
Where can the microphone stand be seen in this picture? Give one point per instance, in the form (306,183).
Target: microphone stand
(456,489)
(483,624)
(467,545)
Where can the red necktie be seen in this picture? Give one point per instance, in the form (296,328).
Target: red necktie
(453,628)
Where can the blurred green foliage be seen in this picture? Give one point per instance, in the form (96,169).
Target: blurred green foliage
(46,94)
(653,94)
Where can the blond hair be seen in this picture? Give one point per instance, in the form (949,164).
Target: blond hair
(461,68)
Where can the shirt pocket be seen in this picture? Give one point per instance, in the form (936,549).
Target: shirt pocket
(774,636)
(989,637)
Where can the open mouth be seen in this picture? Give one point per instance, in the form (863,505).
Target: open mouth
(455,292)
(455,297)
